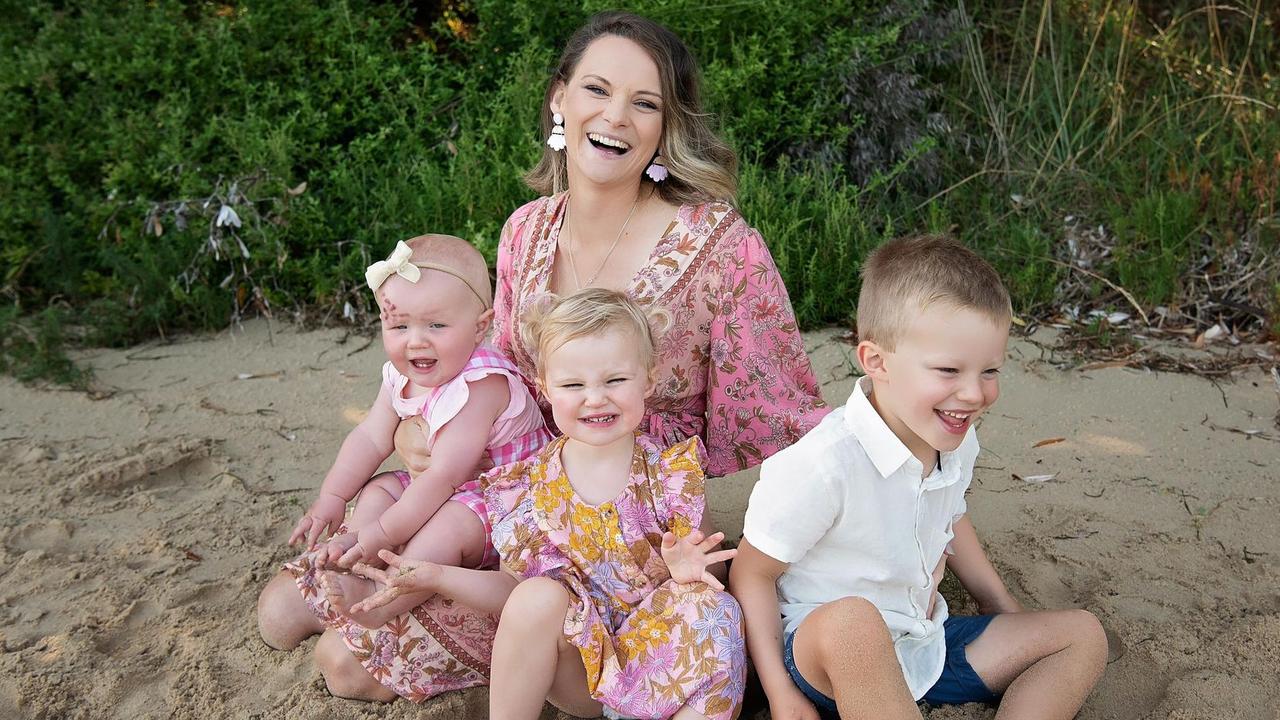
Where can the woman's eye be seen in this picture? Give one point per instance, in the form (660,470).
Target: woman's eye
(596,90)
(647,105)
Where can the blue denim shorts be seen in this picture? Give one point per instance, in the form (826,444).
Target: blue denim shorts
(958,684)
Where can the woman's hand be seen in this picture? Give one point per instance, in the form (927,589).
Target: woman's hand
(687,558)
(411,445)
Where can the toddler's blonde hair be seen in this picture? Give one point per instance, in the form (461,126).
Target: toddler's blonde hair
(554,321)
(903,277)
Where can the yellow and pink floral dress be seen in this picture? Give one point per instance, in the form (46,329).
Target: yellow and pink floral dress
(649,645)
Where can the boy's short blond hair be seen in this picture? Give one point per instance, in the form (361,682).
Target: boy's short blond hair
(555,321)
(903,277)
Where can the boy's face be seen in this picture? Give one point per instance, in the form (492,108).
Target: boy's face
(943,374)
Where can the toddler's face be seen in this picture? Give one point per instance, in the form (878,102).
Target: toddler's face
(431,327)
(943,374)
(596,386)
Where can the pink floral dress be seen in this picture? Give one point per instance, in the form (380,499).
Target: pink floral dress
(732,368)
(649,645)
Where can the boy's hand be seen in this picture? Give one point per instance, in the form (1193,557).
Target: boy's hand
(401,576)
(792,705)
(687,558)
(324,516)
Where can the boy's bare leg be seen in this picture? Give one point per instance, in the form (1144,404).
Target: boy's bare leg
(453,536)
(844,651)
(344,675)
(284,620)
(532,662)
(1045,662)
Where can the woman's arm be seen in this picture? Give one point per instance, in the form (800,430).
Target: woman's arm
(483,590)
(976,573)
(758,366)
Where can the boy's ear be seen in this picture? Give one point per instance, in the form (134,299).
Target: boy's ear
(871,357)
(483,323)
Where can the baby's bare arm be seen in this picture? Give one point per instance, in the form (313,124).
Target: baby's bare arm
(459,446)
(362,451)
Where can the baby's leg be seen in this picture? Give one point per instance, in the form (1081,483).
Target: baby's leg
(844,650)
(380,493)
(454,536)
(284,620)
(532,661)
(1045,662)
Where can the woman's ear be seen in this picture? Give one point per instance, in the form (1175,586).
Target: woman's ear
(557,97)
(872,359)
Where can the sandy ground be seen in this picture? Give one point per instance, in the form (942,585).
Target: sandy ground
(140,521)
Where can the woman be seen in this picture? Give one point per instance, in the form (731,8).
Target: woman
(639,199)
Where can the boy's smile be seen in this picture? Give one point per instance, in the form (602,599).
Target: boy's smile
(943,374)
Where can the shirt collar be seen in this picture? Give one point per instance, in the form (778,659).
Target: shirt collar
(886,451)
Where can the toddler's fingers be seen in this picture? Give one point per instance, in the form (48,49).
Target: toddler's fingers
(368,571)
(299,530)
(721,555)
(713,540)
(695,537)
(712,581)
(668,540)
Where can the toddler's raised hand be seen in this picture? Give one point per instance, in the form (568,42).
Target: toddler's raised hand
(324,516)
(401,576)
(688,557)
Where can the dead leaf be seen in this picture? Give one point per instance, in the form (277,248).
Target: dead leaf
(1049,441)
(298,189)
(1035,479)
(191,555)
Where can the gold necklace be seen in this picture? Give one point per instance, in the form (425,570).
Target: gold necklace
(573,266)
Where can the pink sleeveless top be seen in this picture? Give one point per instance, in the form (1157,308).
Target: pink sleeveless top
(519,431)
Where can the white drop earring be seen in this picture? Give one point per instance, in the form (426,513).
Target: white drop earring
(556,140)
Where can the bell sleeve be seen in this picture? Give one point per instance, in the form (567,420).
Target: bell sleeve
(762,395)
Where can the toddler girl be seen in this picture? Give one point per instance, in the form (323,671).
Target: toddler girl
(434,297)
(620,606)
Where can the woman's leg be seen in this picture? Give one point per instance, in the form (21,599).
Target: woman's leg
(284,620)
(344,675)
(532,662)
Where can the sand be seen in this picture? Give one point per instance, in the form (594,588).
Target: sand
(141,520)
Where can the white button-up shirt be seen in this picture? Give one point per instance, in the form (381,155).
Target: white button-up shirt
(847,508)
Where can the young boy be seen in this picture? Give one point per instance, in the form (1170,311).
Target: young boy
(848,531)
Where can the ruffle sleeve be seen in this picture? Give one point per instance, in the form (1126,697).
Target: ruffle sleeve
(512,502)
(679,483)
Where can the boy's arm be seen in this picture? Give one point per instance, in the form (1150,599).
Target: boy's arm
(457,451)
(976,573)
(362,451)
(753,581)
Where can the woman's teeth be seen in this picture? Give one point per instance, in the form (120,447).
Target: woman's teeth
(608,142)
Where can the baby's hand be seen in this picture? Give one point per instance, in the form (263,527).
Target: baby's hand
(401,576)
(324,516)
(687,558)
(332,552)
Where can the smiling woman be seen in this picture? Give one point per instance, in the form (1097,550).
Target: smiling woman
(639,198)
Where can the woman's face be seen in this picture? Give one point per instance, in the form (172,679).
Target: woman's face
(612,108)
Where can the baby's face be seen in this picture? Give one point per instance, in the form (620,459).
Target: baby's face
(943,374)
(597,385)
(431,327)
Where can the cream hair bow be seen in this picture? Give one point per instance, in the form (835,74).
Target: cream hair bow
(397,264)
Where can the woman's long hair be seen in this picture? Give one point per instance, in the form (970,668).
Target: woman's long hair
(701,167)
